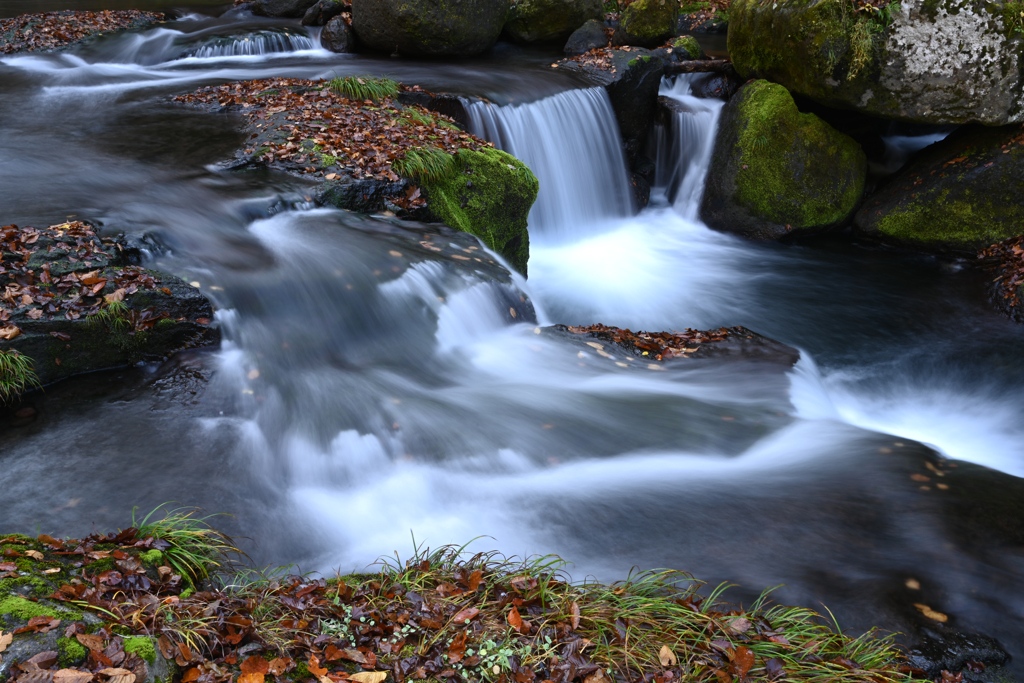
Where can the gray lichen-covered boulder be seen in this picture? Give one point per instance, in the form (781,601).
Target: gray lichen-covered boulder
(959,195)
(929,61)
(647,23)
(337,36)
(72,303)
(586,38)
(490,195)
(776,170)
(429,28)
(536,21)
(282,8)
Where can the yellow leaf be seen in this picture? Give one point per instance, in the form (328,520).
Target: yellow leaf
(369,677)
(667,657)
(5,640)
(34,554)
(9,332)
(931,614)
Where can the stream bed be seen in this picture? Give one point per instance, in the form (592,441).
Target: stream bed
(370,389)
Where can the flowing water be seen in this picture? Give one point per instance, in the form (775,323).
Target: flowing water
(371,386)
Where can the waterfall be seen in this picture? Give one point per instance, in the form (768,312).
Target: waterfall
(572,144)
(689,144)
(252,44)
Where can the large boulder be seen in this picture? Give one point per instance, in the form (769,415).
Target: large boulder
(776,170)
(647,23)
(959,195)
(429,28)
(282,8)
(489,196)
(929,61)
(337,36)
(535,21)
(322,12)
(586,38)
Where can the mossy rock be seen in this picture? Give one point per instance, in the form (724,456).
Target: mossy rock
(647,23)
(959,195)
(429,28)
(776,170)
(546,21)
(926,61)
(687,48)
(490,196)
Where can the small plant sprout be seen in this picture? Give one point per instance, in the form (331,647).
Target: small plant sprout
(16,375)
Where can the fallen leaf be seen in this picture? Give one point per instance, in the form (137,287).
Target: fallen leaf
(931,614)
(281,665)
(52,570)
(575,616)
(5,640)
(369,677)
(742,661)
(7,566)
(43,660)
(35,313)
(191,675)
(9,332)
(737,626)
(516,621)
(466,614)
(474,580)
(36,677)
(667,657)
(254,677)
(34,554)
(314,666)
(255,665)
(774,668)
(72,676)
(596,677)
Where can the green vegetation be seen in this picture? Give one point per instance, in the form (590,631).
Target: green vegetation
(651,20)
(364,87)
(426,164)
(142,646)
(196,548)
(689,46)
(1012,14)
(16,375)
(415,117)
(70,652)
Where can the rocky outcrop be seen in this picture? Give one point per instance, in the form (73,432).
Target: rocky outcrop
(421,28)
(72,303)
(776,170)
(281,8)
(647,23)
(929,61)
(490,195)
(337,36)
(959,195)
(547,21)
(322,12)
(587,37)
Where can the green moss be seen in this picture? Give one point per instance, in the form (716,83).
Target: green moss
(1012,14)
(38,588)
(935,217)
(650,19)
(795,168)
(70,652)
(21,608)
(141,646)
(489,196)
(152,557)
(301,670)
(689,46)
(103,565)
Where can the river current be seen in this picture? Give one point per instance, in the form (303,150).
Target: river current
(369,389)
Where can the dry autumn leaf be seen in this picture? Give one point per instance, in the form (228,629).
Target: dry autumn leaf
(575,616)
(36,677)
(5,640)
(72,676)
(369,677)
(9,332)
(516,621)
(667,657)
(91,641)
(930,613)
(34,554)
(280,665)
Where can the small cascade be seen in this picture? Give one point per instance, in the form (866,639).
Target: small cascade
(690,143)
(252,44)
(572,144)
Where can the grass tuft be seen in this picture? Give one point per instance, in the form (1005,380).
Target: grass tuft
(364,87)
(195,548)
(16,375)
(426,164)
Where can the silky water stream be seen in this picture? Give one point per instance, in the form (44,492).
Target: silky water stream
(371,386)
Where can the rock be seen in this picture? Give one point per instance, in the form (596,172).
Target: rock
(60,320)
(947,650)
(647,23)
(958,195)
(490,196)
(337,36)
(418,28)
(322,12)
(547,21)
(586,38)
(775,170)
(281,8)
(699,22)
(929,61)
(715,86)
(364,195)
(634,96)
(686,48)
(641,190)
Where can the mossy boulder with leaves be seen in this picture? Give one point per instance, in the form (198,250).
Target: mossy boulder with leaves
(71,302)
(534,21)
(488,193)
(647,23)
(959,195)
(429,28)
(925,61)
(776,170)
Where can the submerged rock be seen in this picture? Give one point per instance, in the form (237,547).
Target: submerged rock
(537,21)
(958,195)
(72,303)
(929,61)
(775,170)
(281,8)
(647,23)
(418,28)
(587,37)
(337,36)
(490,196)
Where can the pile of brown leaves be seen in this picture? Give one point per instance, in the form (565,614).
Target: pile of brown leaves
(657,345)
(598,58)
(1008,261)
(705,10)
(62,270)
(51,30)
(313,130)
